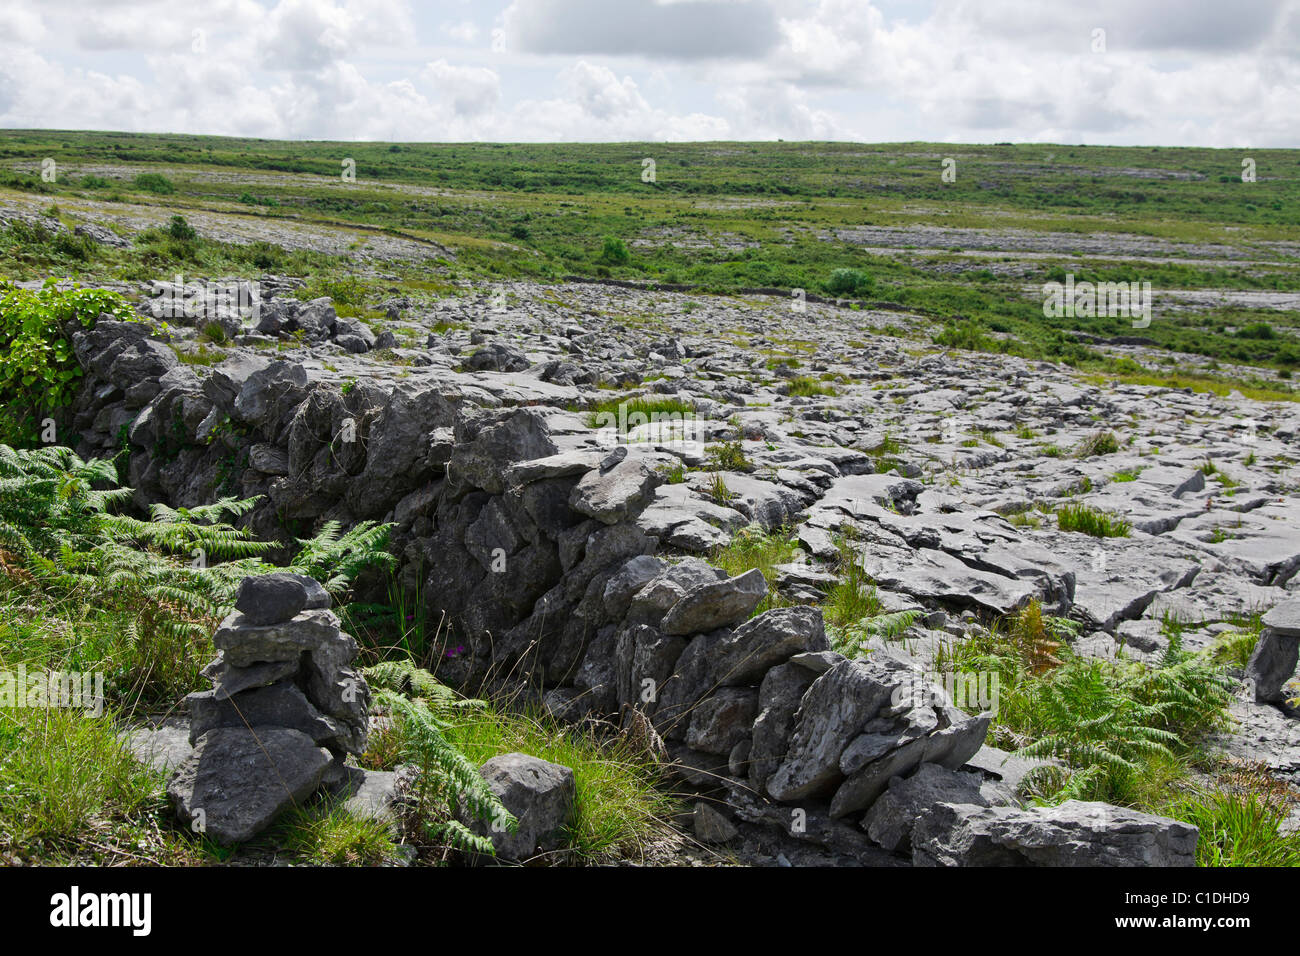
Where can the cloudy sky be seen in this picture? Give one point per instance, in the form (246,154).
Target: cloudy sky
(1168,72)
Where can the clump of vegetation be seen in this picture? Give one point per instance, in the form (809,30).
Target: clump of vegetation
(807,387)
(614,251)
(172,577)
(447,776)
(1090,521)
(1124,732)
(753,547)
(628,413)
(852,608)
(39,371)
(845,282)
(180,230)
(622,807)
(1098,443)
(348,293)
(155,183)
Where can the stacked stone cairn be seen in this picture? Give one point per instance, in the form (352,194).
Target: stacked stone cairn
(285,710)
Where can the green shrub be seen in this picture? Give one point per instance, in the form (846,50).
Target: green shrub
(966,335)
(38,368)
(155,183)
(807,387)
(614,251)
(844,282)
(1257,330)
(180,230)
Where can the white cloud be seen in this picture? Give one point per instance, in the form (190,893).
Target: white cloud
(462,31)
(472,90)
(687,29)
(977,70)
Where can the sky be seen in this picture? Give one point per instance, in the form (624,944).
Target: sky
(1119,72)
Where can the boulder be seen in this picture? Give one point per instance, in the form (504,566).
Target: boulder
(722,720)
(833,712)
(711,825)
(1273,662)
(1075,833)
(495,357)
(539,794)
(617,493)
(706,607)
(762,642)
(891,818)
(778,699)
(238,781)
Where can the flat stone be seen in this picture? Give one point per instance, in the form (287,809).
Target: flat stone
(707,607)
(236,782)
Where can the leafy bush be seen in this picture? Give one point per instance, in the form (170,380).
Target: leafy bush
(181,230)
(615,251)
(850,282)
(155,183)
(38,368)
(1257,330)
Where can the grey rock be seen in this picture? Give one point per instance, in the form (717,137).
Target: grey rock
(165,747)
(709,606)
(779,695)
(1272,664)
(722,720)
(279,705)
(771,638)
(833,712)
(228,680)
(271,598)
(236,782)
(891,818)
(615,494)
(497,358)
(539,794)
(1072,834)
(622,587)
(243,644)
(711,825)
